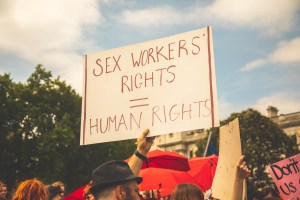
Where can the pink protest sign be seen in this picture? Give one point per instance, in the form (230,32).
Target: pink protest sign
(286,175)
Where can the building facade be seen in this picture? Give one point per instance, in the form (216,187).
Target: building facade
(185,142)
(290,123)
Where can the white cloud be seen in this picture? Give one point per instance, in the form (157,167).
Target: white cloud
(114,2)
(287,53)
(271,17)
(253,65)
(48,32)
(155,16)
(285,102)
(226,108)
(268,17)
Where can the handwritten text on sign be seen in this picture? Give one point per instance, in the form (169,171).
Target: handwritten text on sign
(166,85)
(286,175)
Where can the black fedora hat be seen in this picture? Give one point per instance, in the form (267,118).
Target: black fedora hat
(111,173)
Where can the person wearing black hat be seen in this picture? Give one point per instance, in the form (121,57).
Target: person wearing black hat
(118,180)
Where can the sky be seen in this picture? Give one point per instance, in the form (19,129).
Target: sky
(256,42)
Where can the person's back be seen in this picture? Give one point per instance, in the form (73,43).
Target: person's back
(31,189)
(187,192)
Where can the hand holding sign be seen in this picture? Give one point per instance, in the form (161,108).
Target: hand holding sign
(241,173)
(242,169)
(144,144)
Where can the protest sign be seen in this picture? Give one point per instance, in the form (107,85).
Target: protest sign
(286,175)
(166,85)
(230,152)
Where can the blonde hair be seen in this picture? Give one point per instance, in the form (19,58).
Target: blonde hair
(31,189)
(58,183)
(186,192)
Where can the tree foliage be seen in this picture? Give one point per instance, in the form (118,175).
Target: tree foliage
(40,130)
(263,143)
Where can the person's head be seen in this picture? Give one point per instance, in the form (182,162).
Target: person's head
(31,189)
(55,192)
(89,196)
(3,190)
(127,190)
(268,192)
(115,180)
(186,192)
(59,183)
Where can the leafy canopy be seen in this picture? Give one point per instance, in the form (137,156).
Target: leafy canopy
(40,130)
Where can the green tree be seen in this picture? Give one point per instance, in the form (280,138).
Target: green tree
(263,143)
(40,131)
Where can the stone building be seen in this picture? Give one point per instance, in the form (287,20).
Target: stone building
(185,142)
(181,142)
(290,123)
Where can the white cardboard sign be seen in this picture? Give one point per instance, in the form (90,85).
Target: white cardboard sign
(166,85)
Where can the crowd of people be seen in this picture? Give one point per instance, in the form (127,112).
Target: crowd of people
(118,180)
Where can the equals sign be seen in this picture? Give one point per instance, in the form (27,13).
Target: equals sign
(139,102)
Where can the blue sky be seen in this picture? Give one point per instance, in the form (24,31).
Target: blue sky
(256,42)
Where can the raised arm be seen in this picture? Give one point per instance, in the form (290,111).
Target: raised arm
(143,146)
(240,175)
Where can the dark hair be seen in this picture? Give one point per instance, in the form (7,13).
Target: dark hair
(262,193)
(104,191)
(187,192)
